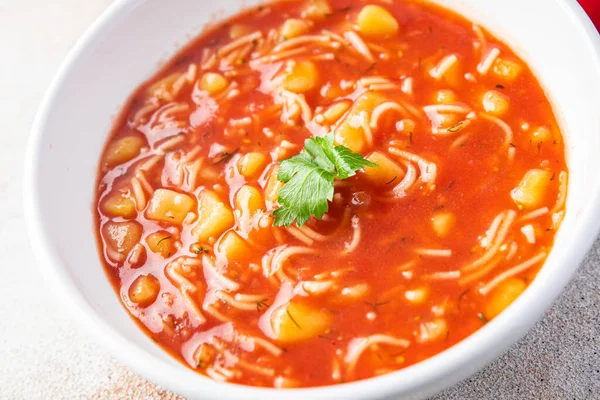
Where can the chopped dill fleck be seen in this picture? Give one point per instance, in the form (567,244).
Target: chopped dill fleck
(261,304)
(553,175)
(163,239)
(450,185)
(292,318)
(410,138)
(539,146)
(482,318)
(456,127)
(225,156)
(498,86)
(512,145)
(376,304)
(391,180)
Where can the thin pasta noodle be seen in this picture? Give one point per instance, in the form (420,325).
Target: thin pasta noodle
(562,192)
(508,133)
(382,108)
(356,235)
(434,252)
(535,214)
(138,194)
(301,236)
(356,41)
(486,63)
(358,346)
(443,275)
(512,272)
(507,222)
(443,66)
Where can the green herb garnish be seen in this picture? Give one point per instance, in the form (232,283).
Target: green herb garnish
(309,177)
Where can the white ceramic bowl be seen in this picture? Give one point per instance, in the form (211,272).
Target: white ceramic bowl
(125,46)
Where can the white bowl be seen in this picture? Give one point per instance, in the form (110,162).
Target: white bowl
(125,46)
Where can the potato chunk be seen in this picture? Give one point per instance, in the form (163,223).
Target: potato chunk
(296,322)
(495,103)
(302,77)
(316,9)
(388,172)
(161,243)
(503,295)
(252,164)
(431,331)
(169,206)
(294,27)
(542,134)
(351,131)
(213,82)
(531,191)
(233,247)
(144,290)
(376,22)
(123,150)
(249,200)
(120,237)
(506,70)
(443,222)
(238,30)
(214,217)
(119,205)
(273,186)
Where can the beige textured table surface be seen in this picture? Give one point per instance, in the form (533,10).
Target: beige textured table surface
(45,355)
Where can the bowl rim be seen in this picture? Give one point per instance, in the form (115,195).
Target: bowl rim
(468,359)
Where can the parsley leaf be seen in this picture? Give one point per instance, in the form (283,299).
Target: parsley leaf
(309,177)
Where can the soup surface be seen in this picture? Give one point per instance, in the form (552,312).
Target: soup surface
(415,252)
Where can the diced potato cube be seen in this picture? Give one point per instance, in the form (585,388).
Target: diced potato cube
(316,9)
(144,290)
(376,22)
(506,70)
(445,96)
(169,206)
(236,31)
(297,322)
(214,217)
(213,82)
(233,247)
(120,237)
(294,27)
(336,110)
(531,191)
(273,186)
(123,150)
(542,134)
(350,132)
(417,295)
(251,165)
(283,382)
(503,295)
(350,294)
(430,331)
(301,77)
(161,243)
(387,172)
(495,103)
(249,200)
(119,205)
(443,222)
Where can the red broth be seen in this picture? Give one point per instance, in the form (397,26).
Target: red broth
(412,257)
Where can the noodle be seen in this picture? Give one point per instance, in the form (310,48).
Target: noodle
(511,272)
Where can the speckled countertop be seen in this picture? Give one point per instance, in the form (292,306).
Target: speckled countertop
(44,355)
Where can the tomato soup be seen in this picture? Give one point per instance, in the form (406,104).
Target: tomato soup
(425,176)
